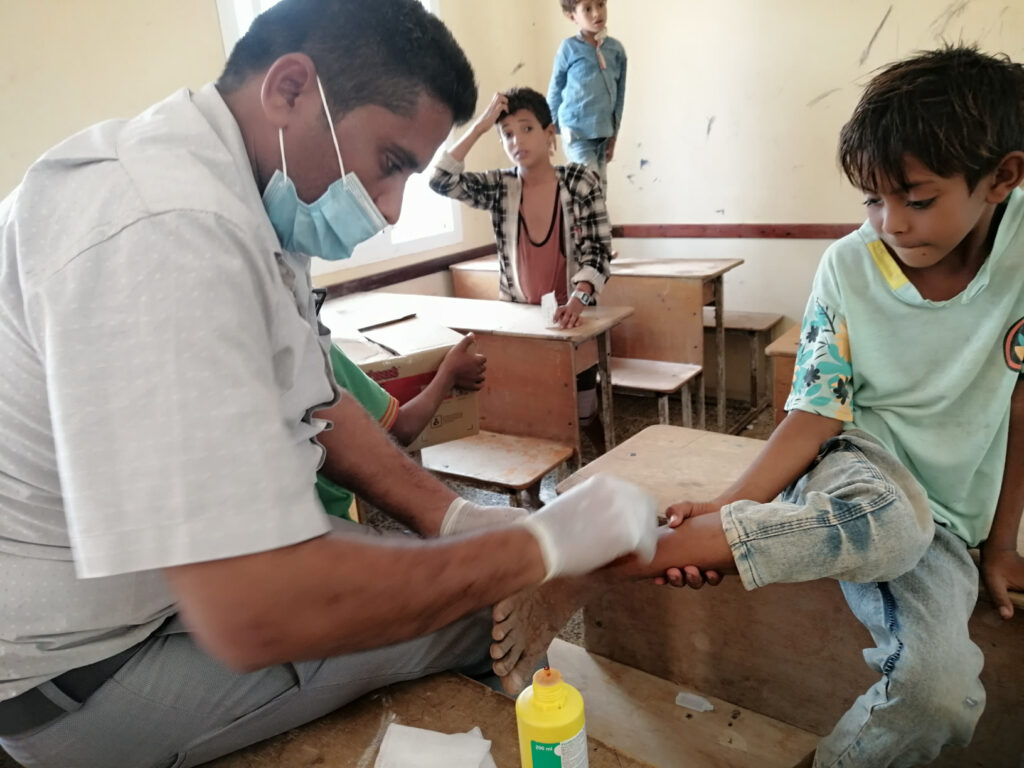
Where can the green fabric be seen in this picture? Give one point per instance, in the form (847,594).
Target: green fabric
(375,400)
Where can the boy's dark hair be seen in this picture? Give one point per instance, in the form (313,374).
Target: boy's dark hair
(528,99)
(384,52)
(568,6)
(956,110)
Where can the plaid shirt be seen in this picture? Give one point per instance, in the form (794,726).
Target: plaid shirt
(587,233)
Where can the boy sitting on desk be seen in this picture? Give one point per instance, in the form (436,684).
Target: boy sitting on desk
(460,369)
(904,442)
(550,222)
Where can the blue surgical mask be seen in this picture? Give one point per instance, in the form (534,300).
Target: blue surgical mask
(333,225)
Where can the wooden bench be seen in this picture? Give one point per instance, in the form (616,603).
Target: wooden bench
(758,328)
(782,352)
(505,463)
(792,652)
(634,376)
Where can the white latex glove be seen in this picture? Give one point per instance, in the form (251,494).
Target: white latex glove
(596,522)
(464,516)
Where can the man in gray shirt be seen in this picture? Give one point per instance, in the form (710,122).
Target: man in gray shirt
(172,589)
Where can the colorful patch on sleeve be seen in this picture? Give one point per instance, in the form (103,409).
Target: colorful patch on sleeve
(823,374)
(1013,346)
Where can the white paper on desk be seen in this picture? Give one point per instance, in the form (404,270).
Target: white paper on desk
(406,747)
(549,305)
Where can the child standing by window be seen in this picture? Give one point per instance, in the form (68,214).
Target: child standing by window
(588,87)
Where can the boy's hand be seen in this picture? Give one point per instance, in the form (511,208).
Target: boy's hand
(1002,570)
(487,118)
(568,315)
(464,368)
(683,510)
(610,151)
(689,575)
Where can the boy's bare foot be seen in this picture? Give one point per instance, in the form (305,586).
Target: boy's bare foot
(526,623)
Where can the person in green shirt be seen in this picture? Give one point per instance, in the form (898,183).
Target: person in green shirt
(461,369)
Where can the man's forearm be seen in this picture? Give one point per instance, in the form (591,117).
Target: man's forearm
(362,457)
(340,594)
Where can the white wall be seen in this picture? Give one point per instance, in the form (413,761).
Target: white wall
(732,109)
(66,64)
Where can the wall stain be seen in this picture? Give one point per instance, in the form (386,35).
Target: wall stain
(517,67)
(711,122)
(867,51)
(952,11)
(644,162)
(821,96)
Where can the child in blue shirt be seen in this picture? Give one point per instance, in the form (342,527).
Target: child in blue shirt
(588,87)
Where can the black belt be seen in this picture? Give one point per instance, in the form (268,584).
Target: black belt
(58,696)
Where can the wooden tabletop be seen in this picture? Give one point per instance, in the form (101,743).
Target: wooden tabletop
(786,345)
(689,269)
(502,318)
(674,463)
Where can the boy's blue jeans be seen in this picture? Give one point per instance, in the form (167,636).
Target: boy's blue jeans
(592,153)
(859,516)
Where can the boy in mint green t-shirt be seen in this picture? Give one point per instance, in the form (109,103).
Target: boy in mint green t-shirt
(460,368)
(904,441)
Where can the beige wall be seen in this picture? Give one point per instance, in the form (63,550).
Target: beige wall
(732,109)
(66,64)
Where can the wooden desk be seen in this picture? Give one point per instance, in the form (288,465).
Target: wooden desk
(782,352)
(666,294)
(531,369)
(789,651)
(447,703)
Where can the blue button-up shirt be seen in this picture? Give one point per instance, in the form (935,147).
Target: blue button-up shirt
(583,97)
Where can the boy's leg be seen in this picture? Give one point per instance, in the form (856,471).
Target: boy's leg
(929,693)
(856,515)
(591,153)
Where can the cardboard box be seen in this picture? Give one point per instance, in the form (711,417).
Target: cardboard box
(402,353)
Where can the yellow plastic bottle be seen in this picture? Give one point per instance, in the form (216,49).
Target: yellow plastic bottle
(550,718)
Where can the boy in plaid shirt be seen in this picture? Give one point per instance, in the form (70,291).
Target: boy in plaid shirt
(550,222)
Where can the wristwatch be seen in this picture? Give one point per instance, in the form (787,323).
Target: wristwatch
(586,299)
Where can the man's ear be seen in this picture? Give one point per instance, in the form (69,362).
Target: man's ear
(1008,175)
(286,88)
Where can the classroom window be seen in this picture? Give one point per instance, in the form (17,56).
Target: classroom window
(428,220)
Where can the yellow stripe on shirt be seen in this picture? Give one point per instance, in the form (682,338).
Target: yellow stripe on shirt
(887,265)
(387,419)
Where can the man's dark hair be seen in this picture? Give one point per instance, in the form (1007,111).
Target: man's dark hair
(568,6)
(529,99)
(384,52)
(956,110)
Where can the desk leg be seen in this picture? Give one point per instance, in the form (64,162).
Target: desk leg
(720,350)
(607,406)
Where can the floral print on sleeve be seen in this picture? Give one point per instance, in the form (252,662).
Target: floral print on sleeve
(823,373)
